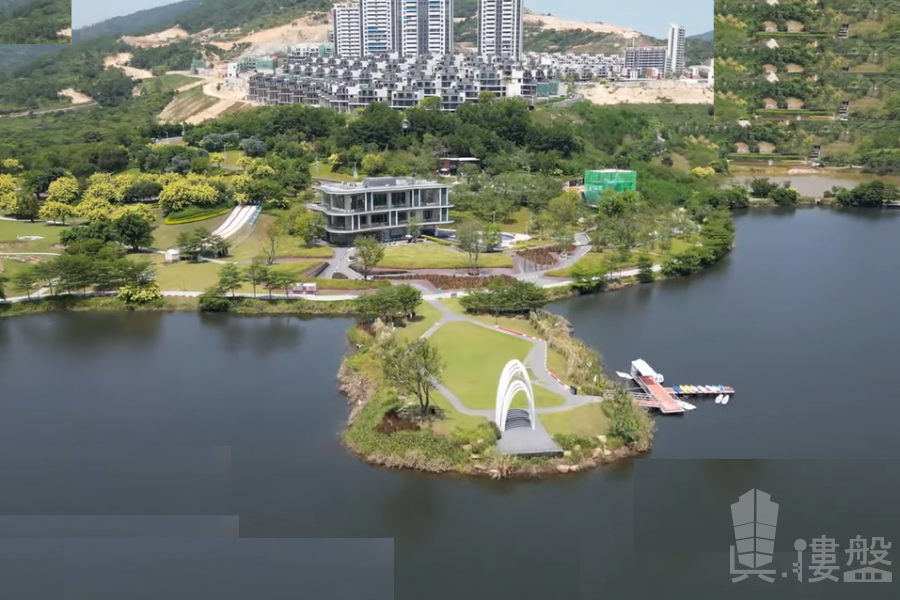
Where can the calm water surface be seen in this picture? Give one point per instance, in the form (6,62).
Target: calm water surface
(815,186)
(799,319)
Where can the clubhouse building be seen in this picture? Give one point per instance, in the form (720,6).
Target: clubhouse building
(381,207)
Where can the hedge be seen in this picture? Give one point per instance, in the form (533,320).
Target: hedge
(194,214)
(440,241)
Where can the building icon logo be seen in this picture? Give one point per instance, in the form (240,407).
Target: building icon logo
(754,517)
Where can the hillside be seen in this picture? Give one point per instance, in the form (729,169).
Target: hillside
(35,22)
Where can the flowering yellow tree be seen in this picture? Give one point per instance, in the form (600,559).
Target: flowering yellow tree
(63,189)
(56,212)
(8,187)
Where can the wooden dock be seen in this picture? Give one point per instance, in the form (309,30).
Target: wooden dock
(660,397)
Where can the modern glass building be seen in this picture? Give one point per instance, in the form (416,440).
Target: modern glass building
(382,207)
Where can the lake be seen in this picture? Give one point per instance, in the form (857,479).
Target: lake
(185,414)
(815,186)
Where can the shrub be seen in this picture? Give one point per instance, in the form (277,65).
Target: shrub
(568,441)
(505,297)
(339,276)
(452,282)
(211,300)
(629,422)
(438,240)
(140,294)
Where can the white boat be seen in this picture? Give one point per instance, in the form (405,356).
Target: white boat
(685,405)
(725,399)
(719,399)
(624,375)
(708,389)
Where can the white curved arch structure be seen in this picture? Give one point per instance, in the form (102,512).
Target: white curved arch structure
(513,380)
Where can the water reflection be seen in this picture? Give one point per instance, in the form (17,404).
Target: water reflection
(262,336)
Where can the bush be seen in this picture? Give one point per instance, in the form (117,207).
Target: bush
(140,294)
(505,297)
(452,282)
(568,441)
(437,240)
(339,276)
(192,214)
(211,300)
(629,422)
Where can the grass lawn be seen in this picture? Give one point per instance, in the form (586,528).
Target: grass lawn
(164,236)
(474,359)
(587,420)
(168,82)
(9,268)
(189,276)
(451,419)
(11,230)
(232,157)
(324,172)
(132,171)
(517,223)
(426,316)
(556,362)
(434,256)
(286,246)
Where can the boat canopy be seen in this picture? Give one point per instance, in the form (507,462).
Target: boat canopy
(643,368)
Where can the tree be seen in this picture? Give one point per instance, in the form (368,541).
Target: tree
(193,242)
(491,237)
(369,252)
(407,297)
(414,368)
(645,268)
(28,279)
(180,193)
(587,276)
(134,231)
(256,273)
(64,189)
(280,279)
(3,281)
(271,242)
(306,224)
(413,227)
(216,158)
(469,235)
(231,278)
(254,147)
(56,212)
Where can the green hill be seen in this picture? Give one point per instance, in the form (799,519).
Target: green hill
(35,21)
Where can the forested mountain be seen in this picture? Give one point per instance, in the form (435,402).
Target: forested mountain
(707,37)
(35,21)
(246,14)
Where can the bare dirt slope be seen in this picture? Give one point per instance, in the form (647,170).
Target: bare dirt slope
(120,61)
(564,25)
(160,38)
(77,97)
(652,92)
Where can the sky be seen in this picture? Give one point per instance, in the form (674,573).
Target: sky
(651,17)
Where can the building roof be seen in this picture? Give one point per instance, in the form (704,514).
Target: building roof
(378,183)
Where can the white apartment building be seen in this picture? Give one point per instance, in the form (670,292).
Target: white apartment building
(500,28)
(675,50)
(347,27)
(380,30)
(426,27)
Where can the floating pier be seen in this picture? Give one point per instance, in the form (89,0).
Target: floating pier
(668,400)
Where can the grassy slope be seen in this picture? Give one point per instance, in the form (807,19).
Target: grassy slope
(435,256)
(474,358)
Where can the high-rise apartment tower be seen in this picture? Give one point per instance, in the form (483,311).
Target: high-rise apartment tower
(500,28)
(675,50)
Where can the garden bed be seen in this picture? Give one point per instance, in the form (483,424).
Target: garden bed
(449,282)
